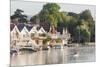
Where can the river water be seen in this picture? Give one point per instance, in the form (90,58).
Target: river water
(54,56)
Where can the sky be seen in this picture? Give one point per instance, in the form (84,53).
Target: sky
(31,8)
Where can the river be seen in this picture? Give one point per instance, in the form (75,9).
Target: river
(55,56)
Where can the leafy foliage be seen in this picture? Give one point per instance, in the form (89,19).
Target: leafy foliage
(81,26)
(43,35)
(46,40)
(21,17)
(75,23)
(58,40)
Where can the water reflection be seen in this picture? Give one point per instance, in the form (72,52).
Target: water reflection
(54,56)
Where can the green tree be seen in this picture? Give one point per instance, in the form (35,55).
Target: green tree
(58,40)
(87,19)
(49,13)
(81,26)
(71,25)
(21,17)
(51,8)
(43,35)
(82,33)
(84,20)
(86,15)
(45,41)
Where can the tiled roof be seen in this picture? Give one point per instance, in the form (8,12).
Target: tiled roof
(29,27)
(20,26)
(38,28)
(12,26)
(46,26)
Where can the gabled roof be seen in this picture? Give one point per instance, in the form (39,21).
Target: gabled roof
(45,25)
(41,30)
(38,28)
(24,30)
(15,30)
(34,29)
(20,26)
(12,26)
(29,27)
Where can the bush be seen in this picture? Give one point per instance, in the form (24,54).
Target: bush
(58,40)
(43,35)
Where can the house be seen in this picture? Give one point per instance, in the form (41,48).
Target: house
(53,32)
(41,31)
(19,34)
(32,42)
(55,35)
(15,33)
(37,35)
(33,31)
(24,33)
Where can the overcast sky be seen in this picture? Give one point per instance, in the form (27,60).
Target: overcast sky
(32,8)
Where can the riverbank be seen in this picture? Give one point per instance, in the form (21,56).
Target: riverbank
(90,44)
